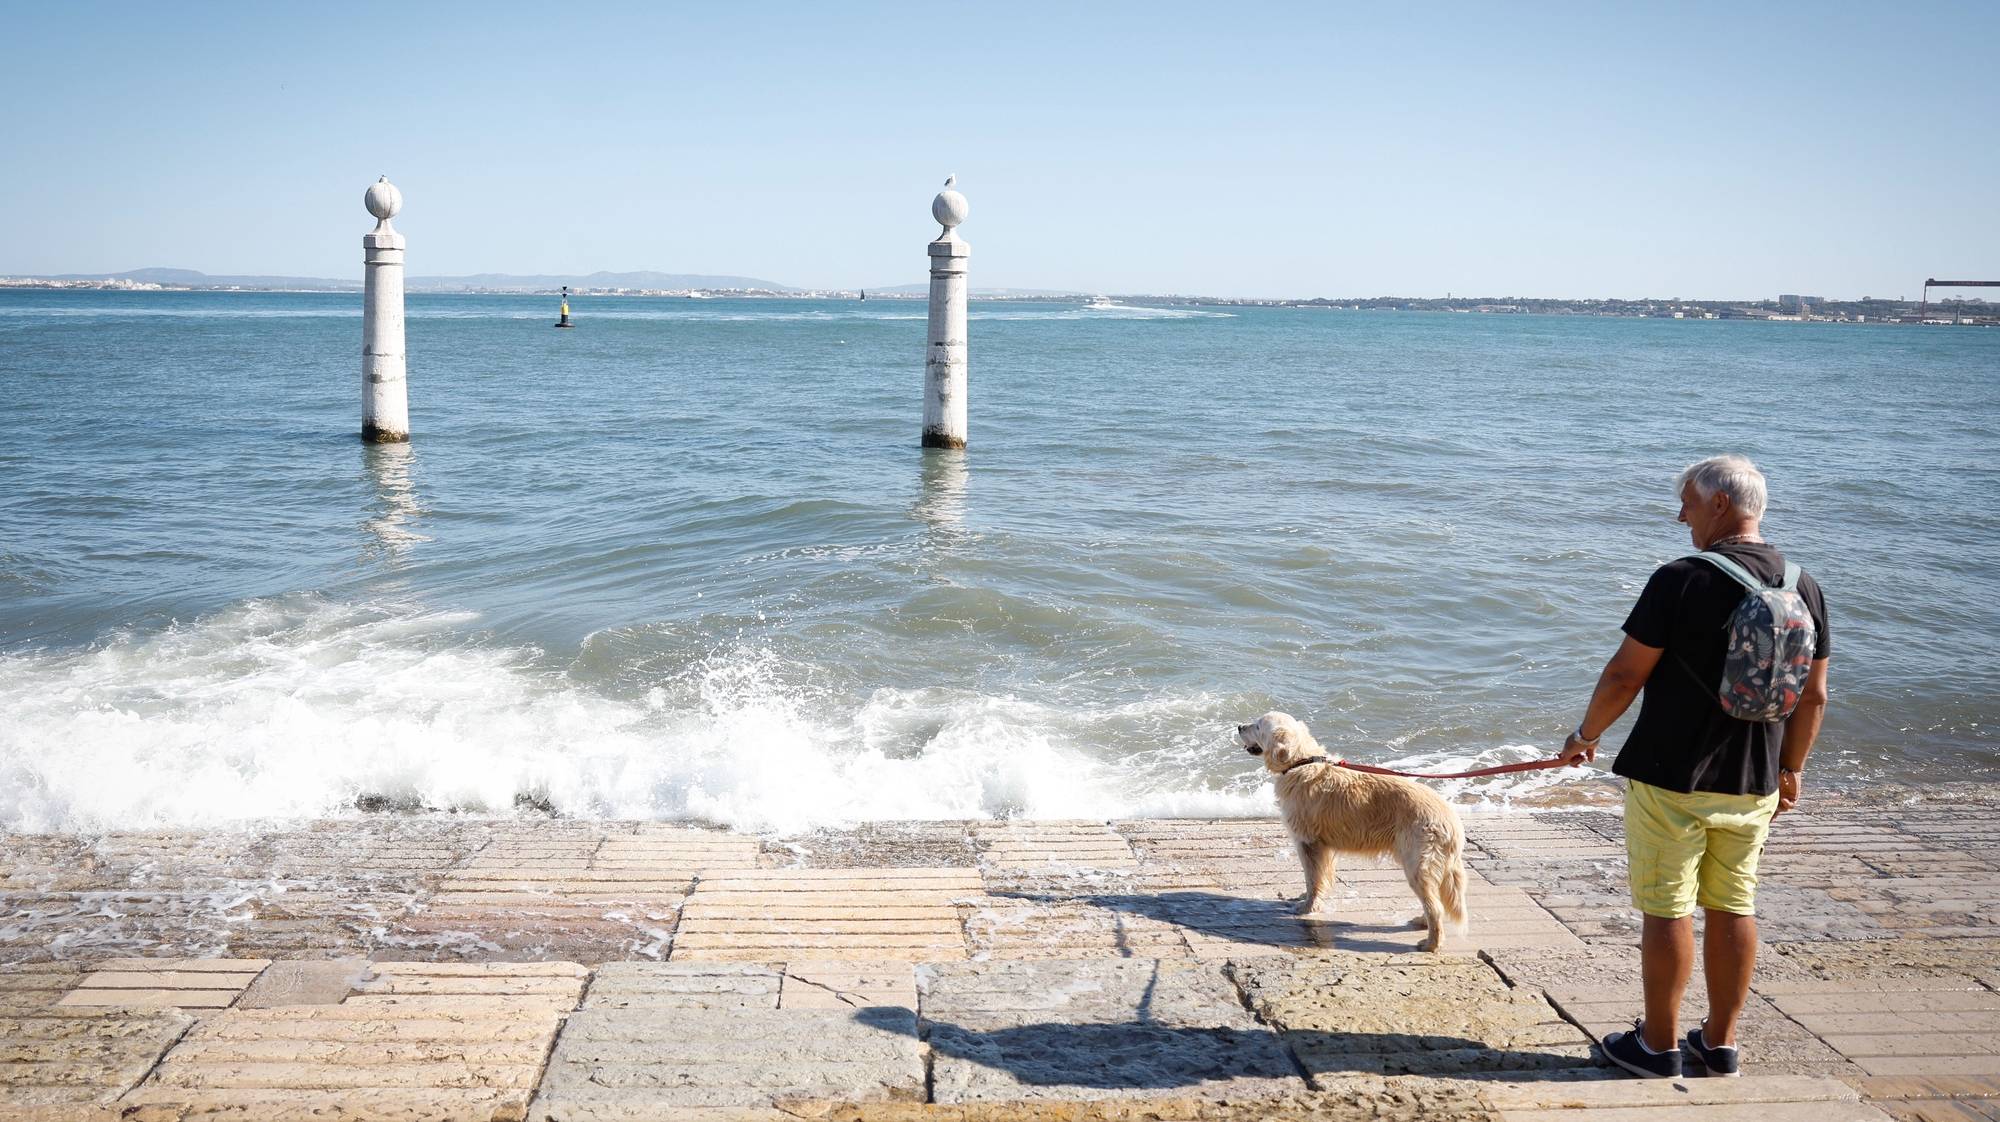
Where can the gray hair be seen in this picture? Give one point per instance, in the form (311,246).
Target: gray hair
(1730,475)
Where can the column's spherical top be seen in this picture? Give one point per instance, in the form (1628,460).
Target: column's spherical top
(950,207)
(383,200)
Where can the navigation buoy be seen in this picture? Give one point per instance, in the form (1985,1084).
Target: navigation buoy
(564,321)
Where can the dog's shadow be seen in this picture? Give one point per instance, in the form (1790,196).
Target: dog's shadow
(1250,920)
(1146,1055)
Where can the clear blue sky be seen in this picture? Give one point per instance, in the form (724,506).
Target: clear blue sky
(1225,149)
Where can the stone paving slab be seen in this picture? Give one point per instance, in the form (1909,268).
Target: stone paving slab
(310,982)
(627,1063)
(842,984)
(877,845)
(165,983)
(73,1056)
(1906,956)
(1068,846)
(1417,1014)
(1620,1093)
(411,1040)
(684,985)
(788,914)
(1092,1030)
(28,989)
(1600,992)
(1935,1098)
(1015,926)
(1890,1026)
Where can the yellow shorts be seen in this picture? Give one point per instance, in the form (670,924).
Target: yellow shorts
(1702,848)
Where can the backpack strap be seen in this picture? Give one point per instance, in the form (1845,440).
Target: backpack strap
(1791,577)
(1742,575)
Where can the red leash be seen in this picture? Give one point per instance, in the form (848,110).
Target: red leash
(1503,769)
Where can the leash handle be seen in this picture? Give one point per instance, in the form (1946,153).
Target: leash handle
(1502,769)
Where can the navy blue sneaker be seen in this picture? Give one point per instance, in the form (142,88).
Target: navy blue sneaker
(1628,1050)
(1722,1059)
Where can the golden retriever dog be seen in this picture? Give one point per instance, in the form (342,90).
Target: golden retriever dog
(1331,810)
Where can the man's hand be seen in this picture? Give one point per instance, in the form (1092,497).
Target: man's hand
(1576,750)
(1788,790)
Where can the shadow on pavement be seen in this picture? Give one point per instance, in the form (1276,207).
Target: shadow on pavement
(1249,920)
(1140,1055)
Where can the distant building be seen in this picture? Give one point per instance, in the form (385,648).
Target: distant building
(1798,305)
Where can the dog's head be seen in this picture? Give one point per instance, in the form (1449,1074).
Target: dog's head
(1279,739)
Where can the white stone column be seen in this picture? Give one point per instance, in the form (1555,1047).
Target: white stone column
(385,397)
(944,357)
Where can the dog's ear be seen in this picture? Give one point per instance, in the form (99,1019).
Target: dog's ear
(1282,746)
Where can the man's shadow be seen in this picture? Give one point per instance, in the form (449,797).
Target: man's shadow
(1142,1055)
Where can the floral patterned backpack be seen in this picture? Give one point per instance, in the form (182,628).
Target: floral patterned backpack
(1769,653)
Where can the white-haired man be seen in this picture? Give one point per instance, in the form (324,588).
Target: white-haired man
(1730,649)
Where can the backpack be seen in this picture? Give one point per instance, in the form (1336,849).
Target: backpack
(1770,640)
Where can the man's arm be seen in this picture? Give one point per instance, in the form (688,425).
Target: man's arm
(1801,729)
(1624,676)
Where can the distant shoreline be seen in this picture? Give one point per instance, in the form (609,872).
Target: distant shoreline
(1971,313)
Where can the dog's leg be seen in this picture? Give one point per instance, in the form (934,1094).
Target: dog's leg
(1318,860)
(1433,922)
(1305,850)
(1422,870)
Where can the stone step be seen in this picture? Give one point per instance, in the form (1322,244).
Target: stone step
(1616,1090)
(355,1026)
(393,1104)
(221,1050)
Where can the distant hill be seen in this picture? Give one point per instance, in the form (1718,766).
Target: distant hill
(925,288)
(490,282)
(189,278)
(511,282)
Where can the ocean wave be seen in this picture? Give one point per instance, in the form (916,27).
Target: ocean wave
(298,708)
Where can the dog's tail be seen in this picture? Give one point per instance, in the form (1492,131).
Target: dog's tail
(1452,890)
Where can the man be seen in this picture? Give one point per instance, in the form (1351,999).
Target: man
(1702,784)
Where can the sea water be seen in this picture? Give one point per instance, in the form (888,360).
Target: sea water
(687,560)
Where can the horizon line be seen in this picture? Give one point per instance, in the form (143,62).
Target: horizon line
(225,283)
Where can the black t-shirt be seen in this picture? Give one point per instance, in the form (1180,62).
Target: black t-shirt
(1683,740)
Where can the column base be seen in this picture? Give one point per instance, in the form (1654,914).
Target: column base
(933,439)
(373,435)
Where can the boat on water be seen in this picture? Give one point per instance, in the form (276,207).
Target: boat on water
(1100,304)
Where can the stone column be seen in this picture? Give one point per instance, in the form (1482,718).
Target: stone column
(944,360)
(385,398)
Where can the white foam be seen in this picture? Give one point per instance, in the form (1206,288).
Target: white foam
(294,708)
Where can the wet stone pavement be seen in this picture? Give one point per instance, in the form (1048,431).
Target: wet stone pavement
(427,967)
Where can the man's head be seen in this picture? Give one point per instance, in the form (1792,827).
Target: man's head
(1721,497)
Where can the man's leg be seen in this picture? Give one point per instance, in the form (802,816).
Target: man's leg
(1728,954)
(1664,845)
(1737,826)
(1666,961)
